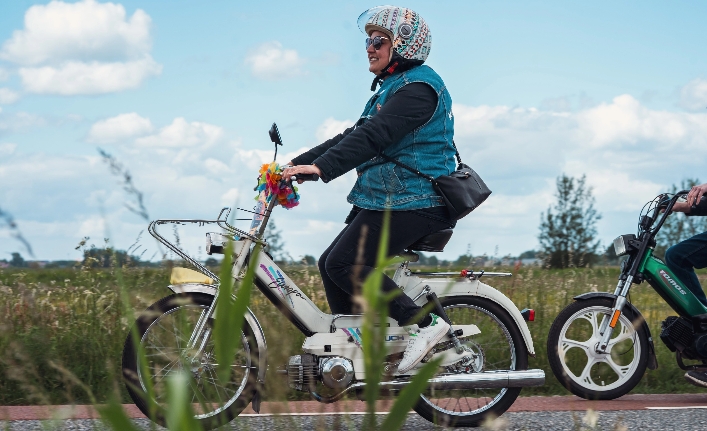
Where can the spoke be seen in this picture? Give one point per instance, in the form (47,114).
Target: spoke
(624,335)
(585,376)
(620,370)
(568,344)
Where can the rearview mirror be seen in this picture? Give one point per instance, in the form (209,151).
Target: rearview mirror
(275,135)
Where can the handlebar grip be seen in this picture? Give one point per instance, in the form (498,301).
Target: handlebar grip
(305,177)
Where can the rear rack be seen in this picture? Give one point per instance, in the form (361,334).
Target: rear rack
(465,273)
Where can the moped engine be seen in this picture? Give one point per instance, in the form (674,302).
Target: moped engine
(685,336)
(304,371)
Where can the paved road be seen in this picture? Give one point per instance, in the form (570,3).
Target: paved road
(634,412)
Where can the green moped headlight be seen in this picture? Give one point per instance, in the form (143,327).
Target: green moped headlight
(622,245)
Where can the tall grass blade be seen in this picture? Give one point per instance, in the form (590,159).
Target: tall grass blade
(115,417)
(409,396)
(230,311)
(180,415)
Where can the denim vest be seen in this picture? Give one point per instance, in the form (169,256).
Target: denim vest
(429,149)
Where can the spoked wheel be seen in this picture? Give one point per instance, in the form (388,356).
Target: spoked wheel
(499,346)
(571,348)
(163,332)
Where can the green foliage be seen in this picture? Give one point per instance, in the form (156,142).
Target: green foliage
(17,261)
(678,227)
(75,317)
(568,235)
(231,307)
(107,257)
(180,414)
(530,254)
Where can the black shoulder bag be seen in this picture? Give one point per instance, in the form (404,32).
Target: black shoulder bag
(462,191)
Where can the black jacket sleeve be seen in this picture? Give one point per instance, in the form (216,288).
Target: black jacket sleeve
(409,108)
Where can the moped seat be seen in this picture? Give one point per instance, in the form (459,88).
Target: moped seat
(433,242)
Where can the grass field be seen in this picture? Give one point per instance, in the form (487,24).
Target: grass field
(70,319)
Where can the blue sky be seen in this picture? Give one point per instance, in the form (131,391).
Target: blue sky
(183,93)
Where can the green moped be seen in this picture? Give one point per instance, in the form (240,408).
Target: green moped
(599,346)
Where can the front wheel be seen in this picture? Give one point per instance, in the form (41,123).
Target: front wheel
(571,350)
(162,332)
(498,346)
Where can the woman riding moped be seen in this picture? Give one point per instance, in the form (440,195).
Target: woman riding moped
(409,118)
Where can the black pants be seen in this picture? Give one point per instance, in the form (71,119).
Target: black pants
(338,264)
(686,255)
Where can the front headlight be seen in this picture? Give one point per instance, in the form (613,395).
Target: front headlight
(622,244)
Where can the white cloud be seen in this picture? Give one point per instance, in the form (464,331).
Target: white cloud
(8,96)
(230,198)
(7,149)
(82,48)
(84,30)
(216,167)
(4,74)
(331,127)
(693,96)
(183,134)
(75,77)
(270,61)
(119,128)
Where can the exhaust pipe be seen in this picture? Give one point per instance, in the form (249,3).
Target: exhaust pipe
(485,380)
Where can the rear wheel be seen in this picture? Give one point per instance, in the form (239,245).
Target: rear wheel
(163,331)
(499,345)
(571,350)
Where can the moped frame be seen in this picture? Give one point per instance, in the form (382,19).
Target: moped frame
(274,283)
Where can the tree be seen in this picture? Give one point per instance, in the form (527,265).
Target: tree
(107,257)
(529,254)
(276,245)
(568,235)
(679,227)
(17,261)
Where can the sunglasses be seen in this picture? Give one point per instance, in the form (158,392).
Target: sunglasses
(377,42)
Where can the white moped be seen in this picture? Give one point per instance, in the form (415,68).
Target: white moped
(484,359)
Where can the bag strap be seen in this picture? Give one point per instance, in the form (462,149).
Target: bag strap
(409,168)
(456,153)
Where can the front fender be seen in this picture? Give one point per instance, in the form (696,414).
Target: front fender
(652,359)
(258,333)
(476,288)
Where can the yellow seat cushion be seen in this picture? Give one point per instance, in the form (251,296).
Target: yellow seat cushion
(186,275)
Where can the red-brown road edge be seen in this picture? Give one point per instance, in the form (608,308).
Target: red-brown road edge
(523,404)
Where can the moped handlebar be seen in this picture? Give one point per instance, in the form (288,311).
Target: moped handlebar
(305,177)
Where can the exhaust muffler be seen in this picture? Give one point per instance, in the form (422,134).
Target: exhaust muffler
(485,380)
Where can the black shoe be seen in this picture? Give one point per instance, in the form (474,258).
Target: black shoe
(697,378)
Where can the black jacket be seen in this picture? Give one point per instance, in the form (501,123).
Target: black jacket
(409,108)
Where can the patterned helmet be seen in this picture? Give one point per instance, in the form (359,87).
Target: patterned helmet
(409,32)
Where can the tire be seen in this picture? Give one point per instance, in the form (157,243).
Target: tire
(163,330)
(570,348)
(502,348)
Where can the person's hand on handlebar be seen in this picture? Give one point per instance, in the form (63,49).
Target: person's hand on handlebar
(696,193)
(693,198)
(290,171)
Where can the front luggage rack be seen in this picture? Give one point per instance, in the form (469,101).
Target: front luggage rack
(221,221)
